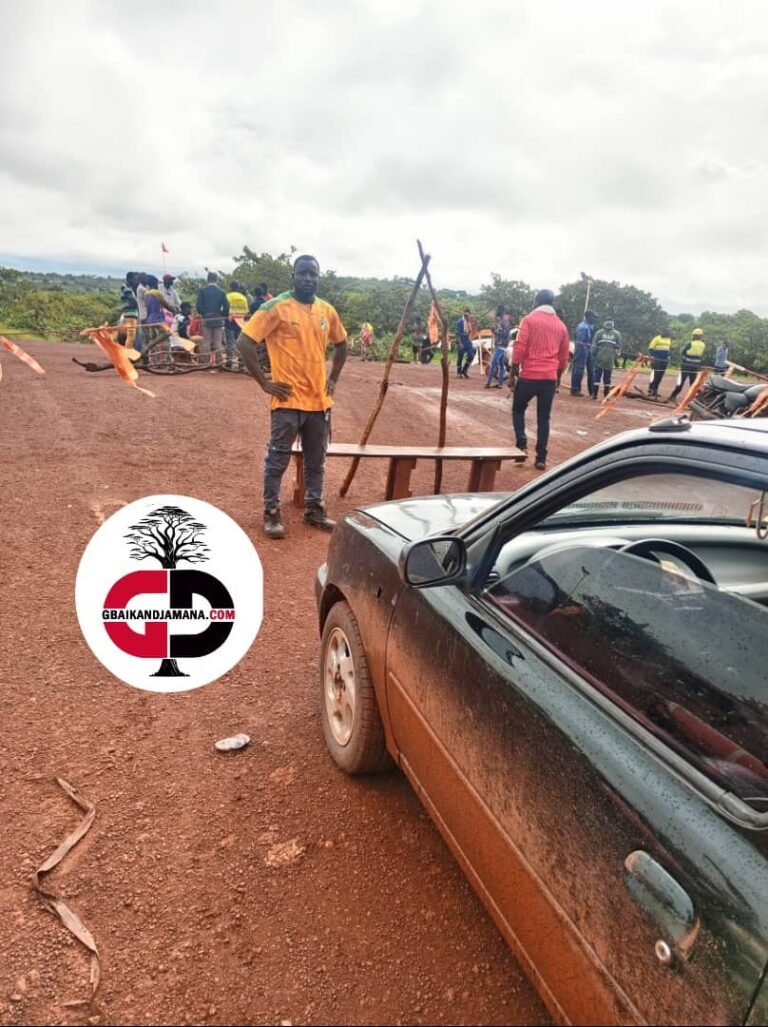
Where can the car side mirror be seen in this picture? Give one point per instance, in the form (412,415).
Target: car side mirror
(433,561)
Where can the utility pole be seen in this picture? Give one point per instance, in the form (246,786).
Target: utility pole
(588,280)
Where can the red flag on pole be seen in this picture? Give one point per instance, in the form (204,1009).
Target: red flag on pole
(164,248)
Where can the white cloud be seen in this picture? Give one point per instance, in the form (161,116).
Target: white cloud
(532,139)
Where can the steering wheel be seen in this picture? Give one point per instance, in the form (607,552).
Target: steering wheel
(647,548)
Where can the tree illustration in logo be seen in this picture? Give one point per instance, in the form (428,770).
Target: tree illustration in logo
(169,535)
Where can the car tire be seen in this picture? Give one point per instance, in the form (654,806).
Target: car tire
(349,712)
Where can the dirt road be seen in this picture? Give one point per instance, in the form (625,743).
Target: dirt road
(257,887)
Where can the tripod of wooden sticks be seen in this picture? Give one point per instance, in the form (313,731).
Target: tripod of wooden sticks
(422,276)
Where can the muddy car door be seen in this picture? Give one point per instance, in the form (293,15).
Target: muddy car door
(593,754)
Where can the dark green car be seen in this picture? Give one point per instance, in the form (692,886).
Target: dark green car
(574,680)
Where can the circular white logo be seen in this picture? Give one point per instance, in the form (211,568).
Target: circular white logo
(169,593)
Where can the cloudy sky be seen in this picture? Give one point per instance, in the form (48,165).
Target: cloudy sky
(535,139)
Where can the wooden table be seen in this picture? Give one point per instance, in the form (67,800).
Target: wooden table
(485,462)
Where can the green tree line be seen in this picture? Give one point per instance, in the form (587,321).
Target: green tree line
(59,306)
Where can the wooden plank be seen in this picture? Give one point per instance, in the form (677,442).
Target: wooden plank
(402,460)
(482,475)
(425,452)
(399,477)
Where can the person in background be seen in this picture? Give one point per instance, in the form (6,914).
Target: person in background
(466,330)
(692,355)
(195,329)
(606,347)
(582,356)
(264,289)
(141,290)
(501,333)
(238,312)
(129,313)
(256,300)
(418,338)
(155,330)
(169,292)
(721,357)
(509,356)
(428,349)
(181,336)
(658,352)
(181,321)
(297,327)
(213,308)
(542,350)
(366,340)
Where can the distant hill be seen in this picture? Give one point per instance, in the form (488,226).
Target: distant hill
(49,280)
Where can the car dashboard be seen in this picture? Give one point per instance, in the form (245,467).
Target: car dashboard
(736,557)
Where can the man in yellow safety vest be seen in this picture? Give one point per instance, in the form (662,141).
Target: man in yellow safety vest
(658,351)
(692,360)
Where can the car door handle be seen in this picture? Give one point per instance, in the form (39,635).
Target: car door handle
(667,903)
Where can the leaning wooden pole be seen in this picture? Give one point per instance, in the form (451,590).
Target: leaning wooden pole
(747,370)
(393,351)
(444,363)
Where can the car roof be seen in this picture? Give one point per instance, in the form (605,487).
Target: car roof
(750,436)
(758,425)
(751,433)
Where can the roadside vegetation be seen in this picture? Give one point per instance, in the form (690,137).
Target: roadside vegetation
(58,306)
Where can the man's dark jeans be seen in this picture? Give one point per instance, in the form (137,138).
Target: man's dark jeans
(465,354)
(525,390)
(582,361)
(314,428)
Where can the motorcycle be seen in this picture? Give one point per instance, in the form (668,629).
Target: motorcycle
(721,397)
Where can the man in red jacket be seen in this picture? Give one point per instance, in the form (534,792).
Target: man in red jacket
(541,355)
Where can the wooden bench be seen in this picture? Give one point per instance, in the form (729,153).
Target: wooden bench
(402,460)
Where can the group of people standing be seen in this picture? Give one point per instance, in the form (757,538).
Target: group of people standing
(692,359)
(597,352)
(504,334)
(152,313)
(297,327)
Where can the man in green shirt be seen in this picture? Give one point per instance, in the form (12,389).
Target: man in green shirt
(606,347)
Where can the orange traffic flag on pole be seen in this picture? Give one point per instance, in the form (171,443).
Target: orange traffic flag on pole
(117,355)
(21,354)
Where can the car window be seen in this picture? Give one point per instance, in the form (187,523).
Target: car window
(679,656)
(683,498)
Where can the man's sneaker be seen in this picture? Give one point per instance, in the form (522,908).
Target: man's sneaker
(317,517)
(540,465)
(273,526)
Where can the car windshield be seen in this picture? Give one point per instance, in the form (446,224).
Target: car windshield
(666,497)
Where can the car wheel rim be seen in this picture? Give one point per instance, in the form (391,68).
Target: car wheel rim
(340,687)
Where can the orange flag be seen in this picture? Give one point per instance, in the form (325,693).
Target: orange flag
(433,325)
(21,354)
(620,390)
(117,354)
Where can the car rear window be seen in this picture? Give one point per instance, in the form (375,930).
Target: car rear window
(680,656)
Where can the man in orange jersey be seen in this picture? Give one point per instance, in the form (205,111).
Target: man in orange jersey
(297,328)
